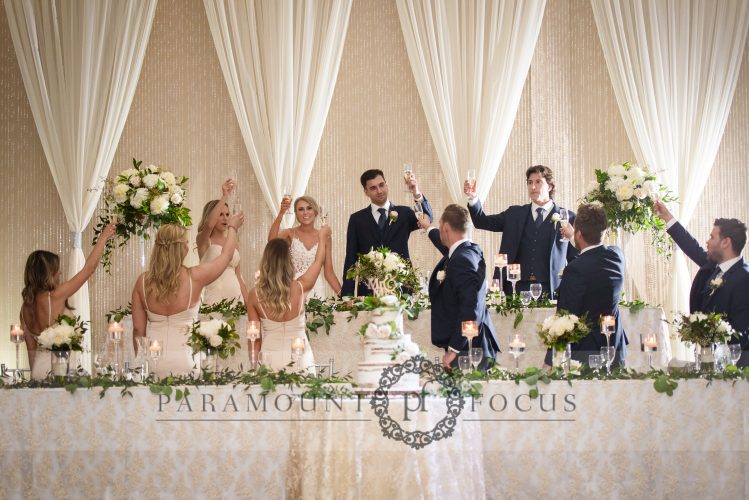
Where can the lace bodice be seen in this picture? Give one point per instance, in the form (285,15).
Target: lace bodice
(301,258)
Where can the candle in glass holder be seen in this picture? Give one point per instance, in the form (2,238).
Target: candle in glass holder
(513,272)
(297,344)
(470,328)
(500,260)
(16,334)
(517,345)
(253,330)
(155,349)
(649,342)
(608,324)
(115,330)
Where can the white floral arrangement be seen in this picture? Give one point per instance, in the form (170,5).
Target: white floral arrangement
(627,193)
(561,329)
(704,329)
(403,353)
(66,334)
(141,198)
(385,272)
(216,334)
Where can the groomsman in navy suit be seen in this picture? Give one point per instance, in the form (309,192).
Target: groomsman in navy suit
(380,224)
(457,289)
(592,284)
(722,283)
(529,237)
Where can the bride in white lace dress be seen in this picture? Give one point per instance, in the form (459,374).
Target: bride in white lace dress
(210,240)
(277,301)
(303,241)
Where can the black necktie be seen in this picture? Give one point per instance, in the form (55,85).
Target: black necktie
(707,288)
(382,220)
(540,217)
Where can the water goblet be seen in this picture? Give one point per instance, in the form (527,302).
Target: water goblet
(477,354)
(464,363)
(595,361)
(536,290)
(564,218)
(735,353)
(525,298)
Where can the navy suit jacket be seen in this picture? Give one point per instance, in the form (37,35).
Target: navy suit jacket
(731,299)
(460,296)
(511,223)
(363,234)
(592,284)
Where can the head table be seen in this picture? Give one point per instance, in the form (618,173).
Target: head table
(343,345)
(588,439)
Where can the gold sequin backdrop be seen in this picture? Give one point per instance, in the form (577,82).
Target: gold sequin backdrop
(181,117)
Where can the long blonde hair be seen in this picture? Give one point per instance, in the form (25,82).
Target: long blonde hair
(166,261)
(276,274)
(310,201)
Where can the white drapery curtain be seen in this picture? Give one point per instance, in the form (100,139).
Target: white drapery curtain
(470,59)
(674,67)
(80,61)
(280,60)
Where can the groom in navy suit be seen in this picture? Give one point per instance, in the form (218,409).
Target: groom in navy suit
(529,237)
(457,289)
(722,283)
(592,284)
(380,224)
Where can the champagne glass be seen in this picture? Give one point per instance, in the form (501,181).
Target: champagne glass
(464,363)
(253,333)
(323,217)
(525,298)
(477,353)
(419,211)
(408,174)
(735,351)
(517,348)
(564,218)
(287,197)
(513,276)
(471,179)
(648,344)
(595,361)
(536,291)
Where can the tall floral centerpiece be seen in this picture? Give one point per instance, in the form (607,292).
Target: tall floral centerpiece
(61,337)
(627,193)
(385,273)
(703,330)
(141,198)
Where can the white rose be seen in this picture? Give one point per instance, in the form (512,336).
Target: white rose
(593,186)
(575,365)
(65,330)
(614,183)
(139,197)
(624,192)
(120,192)
(412,349)
(169,178)
(176,199)
(129,172)
(371,330)
(617,170)
(389,300)
(391,263)
(134,180)
(441,275)
(215,341)
(174,188)
(159,205)
(150,180)
(555,217)
(152,169)
(626,205)
(722,327)
(649,187)
(548,322)
(693,317)
(384,331)
(640,193)
(210,328)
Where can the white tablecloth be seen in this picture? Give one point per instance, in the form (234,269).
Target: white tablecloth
(591,439)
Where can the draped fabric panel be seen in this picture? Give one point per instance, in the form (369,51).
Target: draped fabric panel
(470,60)
(80,61)
(674,67)
(280,60)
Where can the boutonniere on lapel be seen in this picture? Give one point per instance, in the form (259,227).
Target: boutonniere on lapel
(441,275)
(715,284)
(555,218)
(393,216)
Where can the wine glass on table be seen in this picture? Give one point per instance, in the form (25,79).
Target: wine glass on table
(408,174)
(517,348)
(464,363)
(513,276)
(735,352)
(477,354)
(536,290)
(525,298)
(564,218)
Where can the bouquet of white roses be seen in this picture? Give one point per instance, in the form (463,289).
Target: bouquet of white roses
(65,334)
(142,197)
(215,334)
(385,272)
(561,329)
(627,193)
(703,329)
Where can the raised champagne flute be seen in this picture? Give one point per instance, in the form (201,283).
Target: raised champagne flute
(408,174)
(323,217)
(471,179)
(513,276)
(287,197)
(564,218)
(419,211)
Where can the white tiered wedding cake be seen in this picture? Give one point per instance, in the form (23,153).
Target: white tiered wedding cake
(386,345)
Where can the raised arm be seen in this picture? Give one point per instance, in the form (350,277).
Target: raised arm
(434,237)
(204,235)
(71,286)
(681,236)
(275,228)
(207,272)
(310,276)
